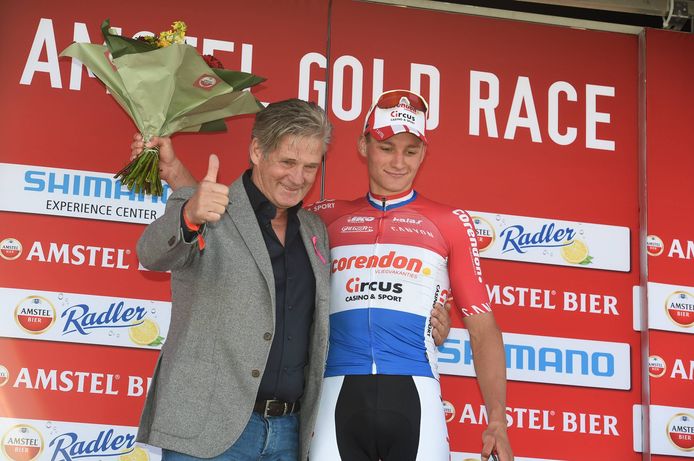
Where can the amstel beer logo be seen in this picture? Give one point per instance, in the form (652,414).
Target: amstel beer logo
(448,411)
(485,233)
(4,375)
(22,443)
(654,245)
(35,314)
(206,81)
(679,306)
(10,249)
(680,431)
(656,366)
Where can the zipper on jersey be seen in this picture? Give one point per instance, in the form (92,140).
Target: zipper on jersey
(379,232)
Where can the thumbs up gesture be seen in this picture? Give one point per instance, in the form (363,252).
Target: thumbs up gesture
(210,200)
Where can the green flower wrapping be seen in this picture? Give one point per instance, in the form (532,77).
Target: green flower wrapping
(164,90)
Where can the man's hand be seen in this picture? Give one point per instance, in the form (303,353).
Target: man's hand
(210,200)
(171,169)
(441,321)
(495,439)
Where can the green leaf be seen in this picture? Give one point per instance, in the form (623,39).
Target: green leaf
(157,342)
(120,46)
(237,79)
(214,125)
(588,260)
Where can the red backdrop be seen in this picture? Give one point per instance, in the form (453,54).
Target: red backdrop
(530,125)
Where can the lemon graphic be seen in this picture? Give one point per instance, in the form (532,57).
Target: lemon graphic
(144,334)
(576,252)
(137,454)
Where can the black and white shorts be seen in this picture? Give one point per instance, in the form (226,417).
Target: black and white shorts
(380,417)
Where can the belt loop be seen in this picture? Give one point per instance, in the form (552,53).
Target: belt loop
(267,407)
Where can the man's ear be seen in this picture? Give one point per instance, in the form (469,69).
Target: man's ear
(361,145)
(254,152)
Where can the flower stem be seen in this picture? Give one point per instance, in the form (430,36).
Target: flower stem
(142,174)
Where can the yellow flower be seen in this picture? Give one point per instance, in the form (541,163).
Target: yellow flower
(176,34)
(179,26)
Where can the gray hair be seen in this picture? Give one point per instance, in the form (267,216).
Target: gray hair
(293,117)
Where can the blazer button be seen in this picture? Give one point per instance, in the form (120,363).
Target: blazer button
(267,336)
(255,373)
(172,240)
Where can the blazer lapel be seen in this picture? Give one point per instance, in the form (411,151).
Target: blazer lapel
(244,218)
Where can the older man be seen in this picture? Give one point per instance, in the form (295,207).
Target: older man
(241,370)
(435,324)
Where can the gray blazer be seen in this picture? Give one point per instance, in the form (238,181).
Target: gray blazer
(209,370)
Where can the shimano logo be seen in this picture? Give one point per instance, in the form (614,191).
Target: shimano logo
(82,185)
(545,359)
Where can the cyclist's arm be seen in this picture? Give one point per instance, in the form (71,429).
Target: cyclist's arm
(485,337)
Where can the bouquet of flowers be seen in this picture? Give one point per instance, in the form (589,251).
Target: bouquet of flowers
(165,86)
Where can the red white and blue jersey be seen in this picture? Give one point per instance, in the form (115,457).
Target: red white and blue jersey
(392,259)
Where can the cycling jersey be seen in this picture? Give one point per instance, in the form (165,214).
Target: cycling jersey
(392,259)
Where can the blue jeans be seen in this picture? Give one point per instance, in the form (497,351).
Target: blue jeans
(267,439)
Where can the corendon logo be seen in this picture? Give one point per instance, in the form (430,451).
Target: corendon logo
(472,235)
(680,431)
(22,443)
(388,261)
(69,447)
(80,319)
(10,249)
(35,314)
(679,306)
(78,255)
(656,366)
(517,239)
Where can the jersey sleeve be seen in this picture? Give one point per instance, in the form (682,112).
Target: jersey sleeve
(325,209)
(464,269)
